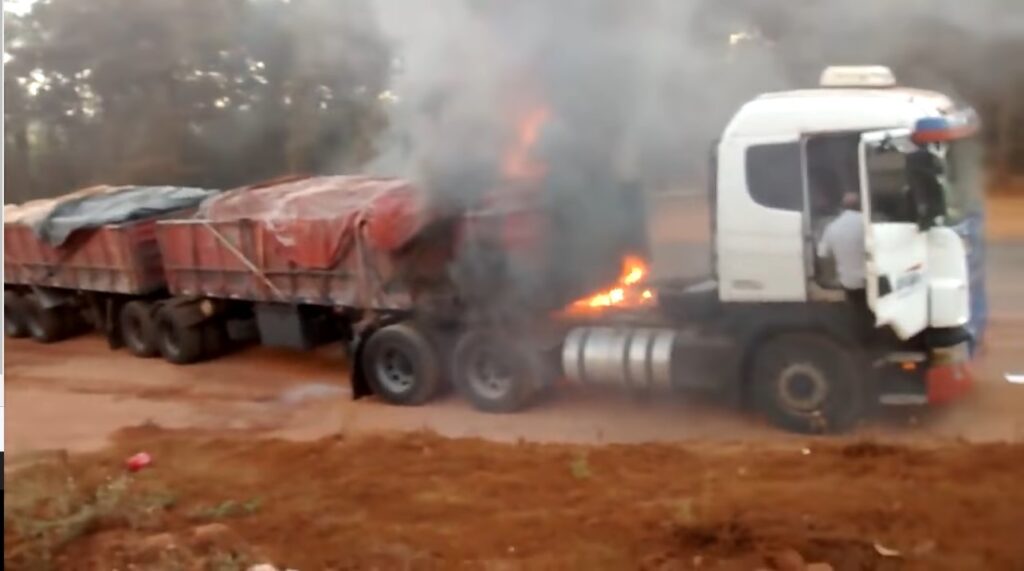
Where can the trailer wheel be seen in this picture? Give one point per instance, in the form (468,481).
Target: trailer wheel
(495,372)
(808,383)
(216,341)
(402,365)
(45,325)
(179,343)
(139,330)
(15,325)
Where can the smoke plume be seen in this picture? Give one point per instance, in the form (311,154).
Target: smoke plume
(633,94)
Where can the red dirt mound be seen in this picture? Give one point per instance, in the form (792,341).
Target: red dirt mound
(420,501)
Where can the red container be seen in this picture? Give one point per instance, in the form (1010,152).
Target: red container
(117,258)
(245,259)
(340,241)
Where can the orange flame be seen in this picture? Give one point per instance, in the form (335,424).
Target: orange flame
(517,163)
(623,293)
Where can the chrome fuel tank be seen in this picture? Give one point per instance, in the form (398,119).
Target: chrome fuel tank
(634,357)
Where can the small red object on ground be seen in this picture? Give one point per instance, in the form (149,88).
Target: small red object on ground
(138,462)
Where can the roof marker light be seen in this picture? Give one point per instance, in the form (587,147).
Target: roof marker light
(857,76)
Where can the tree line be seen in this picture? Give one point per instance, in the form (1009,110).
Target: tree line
(219,93)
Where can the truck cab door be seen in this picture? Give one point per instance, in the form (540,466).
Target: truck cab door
(895,245)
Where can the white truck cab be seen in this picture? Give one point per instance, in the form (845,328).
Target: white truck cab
(783,333)
(784,162)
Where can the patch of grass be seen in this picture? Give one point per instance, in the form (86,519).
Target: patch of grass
(46,507)
(227,509)
(148,510)
(222,561)
(685,512)
(579,467)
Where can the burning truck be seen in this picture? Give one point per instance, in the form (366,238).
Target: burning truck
(519,290)
(770,327)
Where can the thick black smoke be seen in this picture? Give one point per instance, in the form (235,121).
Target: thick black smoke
(636,92)
(472,74)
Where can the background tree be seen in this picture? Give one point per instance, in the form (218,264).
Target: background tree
(214,93)
(223,92)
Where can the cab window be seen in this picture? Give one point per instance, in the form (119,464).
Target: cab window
(774,175)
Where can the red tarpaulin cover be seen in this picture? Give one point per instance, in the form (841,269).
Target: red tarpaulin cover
(391,211)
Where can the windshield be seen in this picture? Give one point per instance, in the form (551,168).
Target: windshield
(887,179)
(963,180)
(939,183)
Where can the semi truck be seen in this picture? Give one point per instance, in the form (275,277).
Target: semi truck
(771,327)
(417,291)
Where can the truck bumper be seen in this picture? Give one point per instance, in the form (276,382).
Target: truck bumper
(941,376)
(948,382)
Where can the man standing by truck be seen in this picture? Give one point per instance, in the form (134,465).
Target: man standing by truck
(843,241)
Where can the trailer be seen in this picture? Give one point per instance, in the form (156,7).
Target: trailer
(307,261)
(88,259)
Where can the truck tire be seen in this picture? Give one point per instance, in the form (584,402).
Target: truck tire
(15,326)
(45,325)
(216,341)
(139,330)
(401,365)
(495,372)
(808,383)
(179,343)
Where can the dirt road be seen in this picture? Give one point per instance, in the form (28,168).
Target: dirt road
(74,395)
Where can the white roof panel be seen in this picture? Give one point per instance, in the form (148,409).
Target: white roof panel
(824,110)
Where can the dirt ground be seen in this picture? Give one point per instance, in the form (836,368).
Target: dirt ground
(420,501)
(262,456)
(74,395)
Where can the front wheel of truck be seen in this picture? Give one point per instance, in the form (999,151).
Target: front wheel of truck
(401,365)
(808,383)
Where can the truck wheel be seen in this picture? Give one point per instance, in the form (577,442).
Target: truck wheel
(496,373)
(808,383)
(15,325)
(45,325)
(402,365)
(138,329)
(215,338)
(179,343)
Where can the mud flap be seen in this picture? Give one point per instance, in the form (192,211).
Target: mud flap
(356,346)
